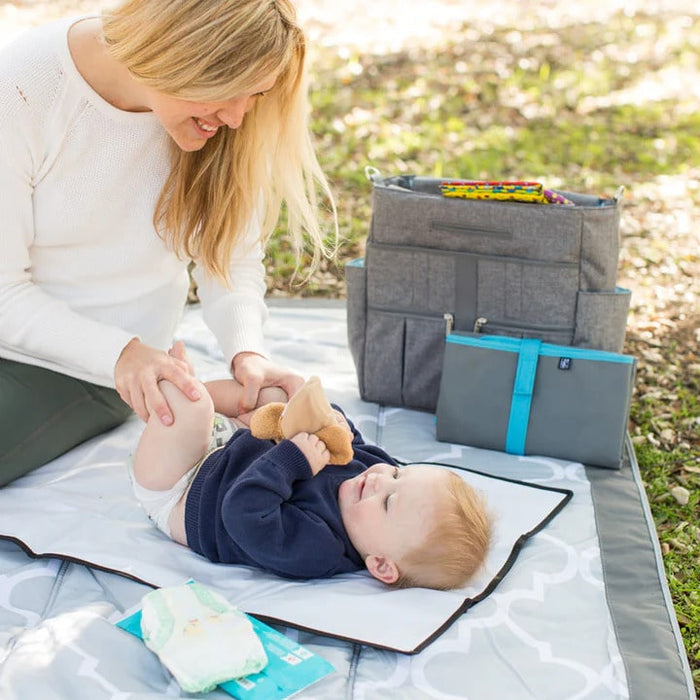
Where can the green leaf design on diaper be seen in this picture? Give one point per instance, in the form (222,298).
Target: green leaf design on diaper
(210,599)
(159,620)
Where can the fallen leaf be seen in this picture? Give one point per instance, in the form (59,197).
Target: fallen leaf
(681,494)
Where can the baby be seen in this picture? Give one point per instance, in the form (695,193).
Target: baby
(283,508)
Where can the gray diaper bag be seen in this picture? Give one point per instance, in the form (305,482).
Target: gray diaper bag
(434,265)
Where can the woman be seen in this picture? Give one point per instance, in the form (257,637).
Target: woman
(165,131)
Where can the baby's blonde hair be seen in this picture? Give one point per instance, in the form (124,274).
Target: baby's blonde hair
(209,51)
(457,546)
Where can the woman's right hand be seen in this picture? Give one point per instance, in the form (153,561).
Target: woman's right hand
(140,368)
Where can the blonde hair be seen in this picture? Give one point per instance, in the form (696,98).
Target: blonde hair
(212,50)
(457,546)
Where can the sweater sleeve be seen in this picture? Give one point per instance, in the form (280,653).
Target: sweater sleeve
(32,322)
(282,537)
(236,314)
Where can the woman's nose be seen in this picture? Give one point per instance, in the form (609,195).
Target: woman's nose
(234,110)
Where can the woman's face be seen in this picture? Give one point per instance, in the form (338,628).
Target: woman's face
(191,124)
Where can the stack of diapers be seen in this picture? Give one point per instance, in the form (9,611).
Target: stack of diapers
(200,637)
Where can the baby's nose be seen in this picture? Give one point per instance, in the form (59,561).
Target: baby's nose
(377,480)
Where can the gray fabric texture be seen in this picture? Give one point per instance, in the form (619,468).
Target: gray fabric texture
(642,613)
(517,269)
(601,318)
(578,414)
(561,625)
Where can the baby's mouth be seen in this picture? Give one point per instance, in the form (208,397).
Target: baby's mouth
(362,487)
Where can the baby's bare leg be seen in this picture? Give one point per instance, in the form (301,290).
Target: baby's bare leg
(227,394)
(165,453)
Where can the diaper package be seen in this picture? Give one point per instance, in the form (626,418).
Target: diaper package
(200,637)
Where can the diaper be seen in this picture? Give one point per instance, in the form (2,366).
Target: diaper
(221,431)
(159,504)
(200,637)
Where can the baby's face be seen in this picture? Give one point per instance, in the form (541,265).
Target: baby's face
(387,511)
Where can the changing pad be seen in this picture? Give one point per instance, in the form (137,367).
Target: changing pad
(81,507)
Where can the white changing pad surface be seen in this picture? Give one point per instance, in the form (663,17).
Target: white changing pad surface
(80,507)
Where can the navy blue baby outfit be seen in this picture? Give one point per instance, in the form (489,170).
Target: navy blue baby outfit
(257,503)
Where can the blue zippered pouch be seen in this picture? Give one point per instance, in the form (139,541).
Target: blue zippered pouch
(526,397)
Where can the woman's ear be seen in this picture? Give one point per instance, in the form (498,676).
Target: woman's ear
(382,568)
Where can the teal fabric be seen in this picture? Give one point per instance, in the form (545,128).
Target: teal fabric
(45,414)
(521,401)
(508,344)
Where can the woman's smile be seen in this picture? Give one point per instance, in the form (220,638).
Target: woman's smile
(204,129)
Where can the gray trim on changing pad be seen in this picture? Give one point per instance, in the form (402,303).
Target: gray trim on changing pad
(638,596)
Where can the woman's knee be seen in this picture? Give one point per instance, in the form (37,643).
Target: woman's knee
(45,414)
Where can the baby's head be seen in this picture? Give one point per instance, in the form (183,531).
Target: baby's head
(419,525)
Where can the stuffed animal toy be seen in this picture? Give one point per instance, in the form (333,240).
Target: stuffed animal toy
(308,411)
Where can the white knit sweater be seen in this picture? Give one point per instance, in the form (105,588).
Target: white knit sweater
(82,270)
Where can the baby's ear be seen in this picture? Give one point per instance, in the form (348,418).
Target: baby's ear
(382,568)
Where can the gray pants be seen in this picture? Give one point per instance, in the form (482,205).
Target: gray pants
(44,414)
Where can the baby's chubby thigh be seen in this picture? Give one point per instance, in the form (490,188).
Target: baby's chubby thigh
(165,453)
(176,520)
(190,433)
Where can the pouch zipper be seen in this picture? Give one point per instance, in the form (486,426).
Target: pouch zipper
(481,323)
(449,322)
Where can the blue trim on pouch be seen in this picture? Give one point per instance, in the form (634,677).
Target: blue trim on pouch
(508,344)
(521,401)
(529,350)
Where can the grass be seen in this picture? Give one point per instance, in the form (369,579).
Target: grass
(587,107)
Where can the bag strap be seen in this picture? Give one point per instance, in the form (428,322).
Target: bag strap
(521,401)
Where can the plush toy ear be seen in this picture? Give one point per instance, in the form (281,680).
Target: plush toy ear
(339,443)
(307,411)
(265,422)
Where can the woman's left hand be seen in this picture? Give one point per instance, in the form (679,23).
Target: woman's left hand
(256,372)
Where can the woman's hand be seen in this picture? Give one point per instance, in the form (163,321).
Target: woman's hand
(256,372)
(140,368)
